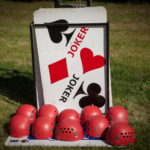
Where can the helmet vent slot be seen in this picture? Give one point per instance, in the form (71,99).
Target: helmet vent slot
(117,138)
(131,132)
(123,136)
(52,129)
(66,131)
(76,133)
(68,128)
(69,131)
(34,131)
(121,133)
(62,131)
(64,128)
(128,132)
(60,128)
(72,129)
(31,116)
(125,133)
(110,118)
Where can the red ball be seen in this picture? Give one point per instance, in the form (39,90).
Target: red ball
(97,126)
(42,128)
(69,114)
(27,110)
(88,112)
(48,110)
(116,114)
(19,126)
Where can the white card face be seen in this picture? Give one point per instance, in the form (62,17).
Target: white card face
(72,60)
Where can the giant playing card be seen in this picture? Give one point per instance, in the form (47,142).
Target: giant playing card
(72,59)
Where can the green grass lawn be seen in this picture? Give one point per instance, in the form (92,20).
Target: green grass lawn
(129,62)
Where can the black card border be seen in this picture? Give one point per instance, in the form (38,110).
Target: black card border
(32,25)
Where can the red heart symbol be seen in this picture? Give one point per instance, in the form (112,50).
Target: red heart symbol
(89,62)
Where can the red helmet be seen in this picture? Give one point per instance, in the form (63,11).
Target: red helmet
(97,126)
(120,134)
(116,114)
(88,112)
(68,130)
(42,128)
(19,126)
(27,110)
(48,110)
(69,114)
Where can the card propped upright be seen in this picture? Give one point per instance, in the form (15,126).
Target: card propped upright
(72,58)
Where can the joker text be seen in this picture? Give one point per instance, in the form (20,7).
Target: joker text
(78,41)
(69,88)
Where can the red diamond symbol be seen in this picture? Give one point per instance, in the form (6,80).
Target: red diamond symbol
(58,70)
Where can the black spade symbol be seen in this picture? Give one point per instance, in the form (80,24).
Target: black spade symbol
(55,32)
(68,36)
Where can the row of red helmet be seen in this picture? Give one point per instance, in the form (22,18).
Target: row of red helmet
(19,124)
(114,126)
(119,133)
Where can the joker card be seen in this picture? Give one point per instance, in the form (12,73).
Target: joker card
(72,59)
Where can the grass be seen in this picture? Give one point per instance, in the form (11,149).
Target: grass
(129,61)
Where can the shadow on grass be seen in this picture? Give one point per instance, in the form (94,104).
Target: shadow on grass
(6,125)
(17,87)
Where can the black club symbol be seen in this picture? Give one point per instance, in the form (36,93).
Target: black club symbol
(93,98)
